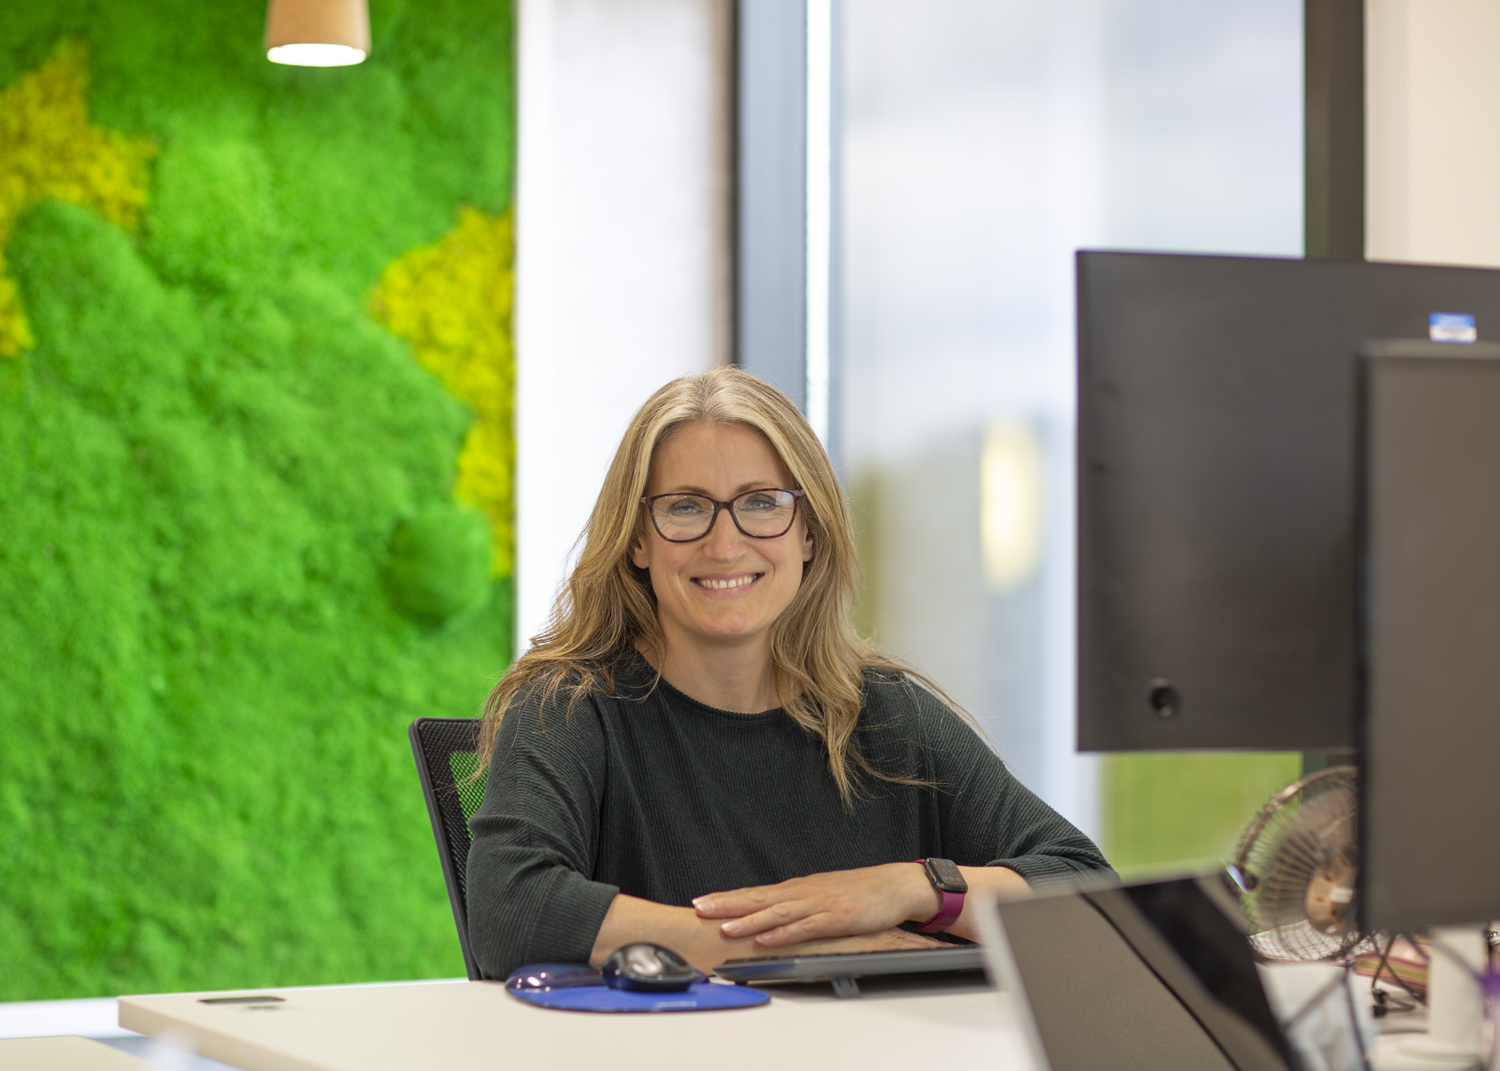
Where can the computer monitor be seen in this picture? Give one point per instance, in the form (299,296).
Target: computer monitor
(1216,476)
(1430,541)
(1149,977)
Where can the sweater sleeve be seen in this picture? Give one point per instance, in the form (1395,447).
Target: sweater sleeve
(529,894)
(986,816)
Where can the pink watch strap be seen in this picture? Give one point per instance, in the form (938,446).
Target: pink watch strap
(953,906)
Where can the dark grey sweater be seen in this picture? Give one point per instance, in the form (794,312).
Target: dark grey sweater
(651,793)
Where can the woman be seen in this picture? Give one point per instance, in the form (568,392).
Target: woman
(699,750)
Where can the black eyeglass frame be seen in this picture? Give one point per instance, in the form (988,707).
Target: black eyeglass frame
(719,506)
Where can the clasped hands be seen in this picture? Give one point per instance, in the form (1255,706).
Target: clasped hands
(870,903)
(839,911)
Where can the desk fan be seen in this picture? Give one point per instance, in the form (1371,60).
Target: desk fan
(1296,865)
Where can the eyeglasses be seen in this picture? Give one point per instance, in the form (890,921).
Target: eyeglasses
(761,514)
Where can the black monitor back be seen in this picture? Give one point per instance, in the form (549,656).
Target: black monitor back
(1430,847)
(1216,474)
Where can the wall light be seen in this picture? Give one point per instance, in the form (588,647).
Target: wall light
(1011,505)
(318,33)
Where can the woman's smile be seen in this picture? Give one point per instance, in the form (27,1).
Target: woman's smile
(728,585)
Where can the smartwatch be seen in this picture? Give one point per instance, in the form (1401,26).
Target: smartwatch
(949,881)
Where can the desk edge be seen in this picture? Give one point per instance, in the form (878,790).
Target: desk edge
(224,1048)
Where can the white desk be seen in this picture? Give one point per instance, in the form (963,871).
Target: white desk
(64,1054)
(476,1024)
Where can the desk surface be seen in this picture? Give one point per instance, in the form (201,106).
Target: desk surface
(64,1054)
(454,1025)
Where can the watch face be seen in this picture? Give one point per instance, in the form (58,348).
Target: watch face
(945,876)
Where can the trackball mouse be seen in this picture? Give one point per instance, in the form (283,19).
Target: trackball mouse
(648,967)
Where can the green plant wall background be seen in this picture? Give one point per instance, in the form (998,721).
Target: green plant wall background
(1161,808)
(232,564)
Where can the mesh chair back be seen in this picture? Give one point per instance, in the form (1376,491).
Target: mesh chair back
(446,750)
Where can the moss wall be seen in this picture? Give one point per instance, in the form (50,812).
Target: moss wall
(1168,807)
(233,566)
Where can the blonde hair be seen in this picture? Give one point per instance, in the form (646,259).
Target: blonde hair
(818,660)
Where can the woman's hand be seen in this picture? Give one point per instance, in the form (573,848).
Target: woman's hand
(884,941)
(704,944)
(840,911)
(842,903)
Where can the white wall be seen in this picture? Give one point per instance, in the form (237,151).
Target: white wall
(622,245)
(1432,150)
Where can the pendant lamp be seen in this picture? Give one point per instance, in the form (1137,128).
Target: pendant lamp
(317,33)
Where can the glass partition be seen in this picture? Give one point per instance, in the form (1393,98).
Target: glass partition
(982,143)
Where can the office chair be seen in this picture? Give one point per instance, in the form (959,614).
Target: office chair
(446,750)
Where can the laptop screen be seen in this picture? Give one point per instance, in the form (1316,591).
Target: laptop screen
(1152,977)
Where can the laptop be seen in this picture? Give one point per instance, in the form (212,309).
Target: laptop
(1148,977)
(845,969)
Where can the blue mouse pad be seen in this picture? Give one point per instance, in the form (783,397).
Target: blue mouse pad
(705,996)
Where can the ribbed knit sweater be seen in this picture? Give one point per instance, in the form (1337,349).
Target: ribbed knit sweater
(649,792)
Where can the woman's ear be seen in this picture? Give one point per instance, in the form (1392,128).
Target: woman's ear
(639,556)
(807,546)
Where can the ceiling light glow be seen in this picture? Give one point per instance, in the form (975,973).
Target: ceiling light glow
(315,55)
(317,33)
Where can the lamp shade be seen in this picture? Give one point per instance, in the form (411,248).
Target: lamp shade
(318,33)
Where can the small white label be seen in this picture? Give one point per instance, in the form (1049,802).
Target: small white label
(1451,327)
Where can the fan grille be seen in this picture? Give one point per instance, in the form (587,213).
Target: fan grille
(1297,863)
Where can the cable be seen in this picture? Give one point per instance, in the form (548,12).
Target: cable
(1359,1035)
(1312,1002)
(1386,1003)
(1385,956)
(1384,964)
(1341,980)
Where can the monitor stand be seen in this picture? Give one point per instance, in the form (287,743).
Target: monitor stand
(1454,1040)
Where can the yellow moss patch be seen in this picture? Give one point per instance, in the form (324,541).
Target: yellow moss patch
(48,148)
(451,300)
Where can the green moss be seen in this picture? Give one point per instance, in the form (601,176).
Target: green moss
(1175,806)
(204,774)
(439,562)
